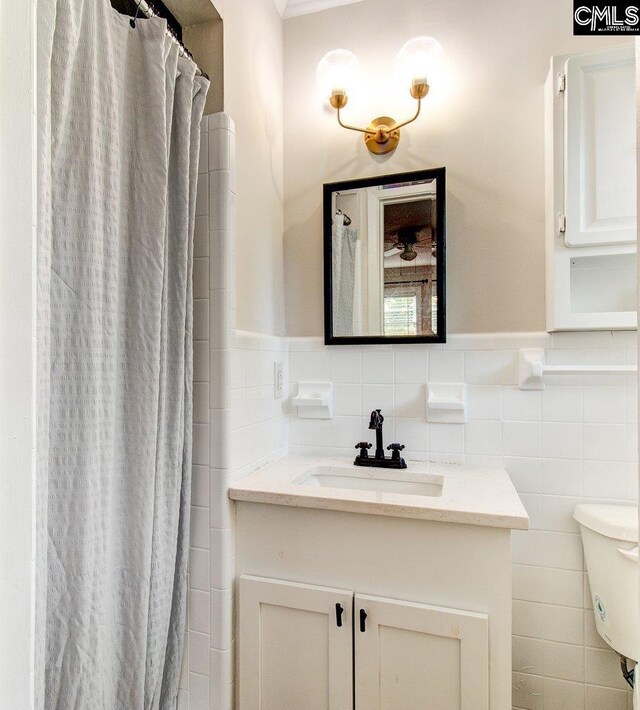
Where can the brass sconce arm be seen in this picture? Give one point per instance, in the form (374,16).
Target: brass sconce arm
(353,128)
(373,131)
(382,135)
(398,126)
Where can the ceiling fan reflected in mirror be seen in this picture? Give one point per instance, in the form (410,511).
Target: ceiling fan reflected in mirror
(409,253)
(408,239)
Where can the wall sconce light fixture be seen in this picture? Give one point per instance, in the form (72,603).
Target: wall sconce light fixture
(339,70)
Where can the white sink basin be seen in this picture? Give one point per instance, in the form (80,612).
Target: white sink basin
(446,493)
(372,479)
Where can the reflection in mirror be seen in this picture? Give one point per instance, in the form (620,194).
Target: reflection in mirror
(384,259)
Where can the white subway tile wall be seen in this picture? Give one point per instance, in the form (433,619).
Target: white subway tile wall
(238,424)
(211,570)
(574,441)
(259,427)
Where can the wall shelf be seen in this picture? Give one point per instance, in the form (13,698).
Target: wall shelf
(532,368)
(587,369)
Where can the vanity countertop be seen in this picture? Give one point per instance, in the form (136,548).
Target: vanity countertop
(471,495)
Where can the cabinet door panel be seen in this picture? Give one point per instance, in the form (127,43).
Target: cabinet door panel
(415,656)
(292,652)
(600,148)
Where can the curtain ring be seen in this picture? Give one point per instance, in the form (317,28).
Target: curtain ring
(132,21)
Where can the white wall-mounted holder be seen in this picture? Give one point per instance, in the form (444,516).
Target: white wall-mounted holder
(532,368)
(531,364)
(314,400)
(447,402)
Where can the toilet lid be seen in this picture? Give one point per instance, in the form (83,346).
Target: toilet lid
(617,521)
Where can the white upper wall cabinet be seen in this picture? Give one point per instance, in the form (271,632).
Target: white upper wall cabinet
(591,191)
(600,148)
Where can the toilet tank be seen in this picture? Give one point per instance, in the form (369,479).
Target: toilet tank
(610,541)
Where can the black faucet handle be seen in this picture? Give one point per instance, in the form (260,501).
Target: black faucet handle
(376,419)
(395,451)
(364,447)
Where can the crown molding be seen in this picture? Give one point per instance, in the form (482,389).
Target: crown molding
(281,6)
(293,8)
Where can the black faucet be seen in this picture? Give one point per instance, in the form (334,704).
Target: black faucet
(376,423)
(363,458)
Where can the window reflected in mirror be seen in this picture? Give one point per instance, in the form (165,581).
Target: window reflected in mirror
(384,259)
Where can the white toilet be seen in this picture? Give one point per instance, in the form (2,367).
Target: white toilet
(610,541)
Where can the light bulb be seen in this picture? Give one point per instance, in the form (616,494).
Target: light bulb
(337,73)
(419,61)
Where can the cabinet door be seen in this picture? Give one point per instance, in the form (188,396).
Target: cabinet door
(296,646)
(418,657)
(600,144)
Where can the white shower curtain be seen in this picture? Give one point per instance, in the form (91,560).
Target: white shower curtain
(346,279)
(120,115)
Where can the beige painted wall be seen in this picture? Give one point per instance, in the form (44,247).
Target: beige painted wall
(205,42)
(253,98)
(485,125)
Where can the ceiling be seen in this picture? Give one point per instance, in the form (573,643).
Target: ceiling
(192,12)
(291,8)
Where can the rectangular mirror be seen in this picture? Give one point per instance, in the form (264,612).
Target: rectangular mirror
(384,259)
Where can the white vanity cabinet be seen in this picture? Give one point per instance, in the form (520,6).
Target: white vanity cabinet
(296,646)
(418,562)
(313,647)
(410,656)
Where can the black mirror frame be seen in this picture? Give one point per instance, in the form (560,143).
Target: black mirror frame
(328,189)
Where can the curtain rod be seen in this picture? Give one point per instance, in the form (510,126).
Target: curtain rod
(149,11)
(414,281)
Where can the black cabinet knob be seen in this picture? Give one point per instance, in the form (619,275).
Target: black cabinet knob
(363,618)
(339,612)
